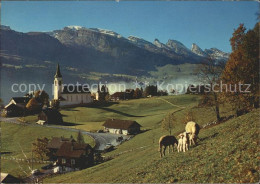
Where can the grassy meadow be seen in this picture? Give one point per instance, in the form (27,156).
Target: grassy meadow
(18,139)
(227,152)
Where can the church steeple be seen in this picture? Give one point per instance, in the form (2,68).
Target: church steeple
(57,83)
(58,74)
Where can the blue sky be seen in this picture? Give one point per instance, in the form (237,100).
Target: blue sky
(208,24)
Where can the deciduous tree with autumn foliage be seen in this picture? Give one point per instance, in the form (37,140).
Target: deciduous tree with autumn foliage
(242,69)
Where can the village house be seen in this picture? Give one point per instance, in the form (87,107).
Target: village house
(125,127)
(55,144)
(70,155)
(68,94)
(50,116)
(16,106)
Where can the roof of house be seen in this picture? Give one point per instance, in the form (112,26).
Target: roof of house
(56,142)
(22,100)
(72,149)
(7,178)
(75,89)
(120,124)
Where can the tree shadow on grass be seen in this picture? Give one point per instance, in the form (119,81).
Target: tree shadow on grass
(66,124)
(119,112)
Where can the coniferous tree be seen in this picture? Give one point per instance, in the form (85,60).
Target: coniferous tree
(80,138)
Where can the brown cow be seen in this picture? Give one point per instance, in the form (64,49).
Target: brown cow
(167,140)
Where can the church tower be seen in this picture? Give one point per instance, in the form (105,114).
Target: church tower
(57,83)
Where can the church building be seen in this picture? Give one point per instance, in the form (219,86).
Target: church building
(70,95)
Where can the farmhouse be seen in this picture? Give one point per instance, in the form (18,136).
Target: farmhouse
(55,144)
(70,95)
(72,155)
(125,127)
(50,116)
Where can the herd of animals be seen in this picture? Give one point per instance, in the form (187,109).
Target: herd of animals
(185,140)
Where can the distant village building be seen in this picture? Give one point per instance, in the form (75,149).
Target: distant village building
(16,106)
(117,96)
(50,116)
(70,95)
(127,95)
(125,127)
(69,154)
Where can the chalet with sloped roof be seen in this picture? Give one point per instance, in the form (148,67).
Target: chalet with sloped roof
(117,126)
(74,155)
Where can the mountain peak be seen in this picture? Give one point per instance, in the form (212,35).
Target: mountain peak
(75,27)
(159,44)
(197,50)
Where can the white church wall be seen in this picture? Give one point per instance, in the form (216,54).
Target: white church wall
(74,99)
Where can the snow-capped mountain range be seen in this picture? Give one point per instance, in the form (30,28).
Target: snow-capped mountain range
(99,50)
(174,46)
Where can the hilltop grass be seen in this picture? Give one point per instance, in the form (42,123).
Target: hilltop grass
(16,139)
(227,152)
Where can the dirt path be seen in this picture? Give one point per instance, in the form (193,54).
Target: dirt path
(171,103)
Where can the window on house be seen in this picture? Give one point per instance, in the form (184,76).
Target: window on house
(63,161)
(72,161)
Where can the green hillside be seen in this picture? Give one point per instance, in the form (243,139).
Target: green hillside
(18,139)
(227,152)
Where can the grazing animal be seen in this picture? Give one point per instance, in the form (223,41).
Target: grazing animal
(167,140)
(179,147)
(183,142)
(192,129)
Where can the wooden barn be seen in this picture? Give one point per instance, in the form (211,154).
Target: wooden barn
(117,126)
(50,116)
